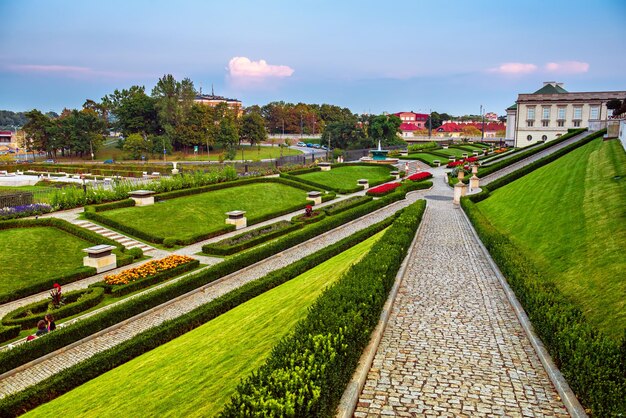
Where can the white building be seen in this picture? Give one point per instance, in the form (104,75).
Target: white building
(550,111)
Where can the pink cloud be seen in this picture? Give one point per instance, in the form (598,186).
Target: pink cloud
(244,68)
(567,67)
(514,68)
(68,71)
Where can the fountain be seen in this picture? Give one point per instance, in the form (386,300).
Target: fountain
(379,156)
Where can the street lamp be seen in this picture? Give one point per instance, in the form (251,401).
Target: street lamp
(482,134)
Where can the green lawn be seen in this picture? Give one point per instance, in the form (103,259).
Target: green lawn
(428,157)
(195,374)
(34,255)
(346,177)
(453,152)
(253,153)
(191,215)
(569,217)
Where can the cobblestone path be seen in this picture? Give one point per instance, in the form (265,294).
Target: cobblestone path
(67,357)
(513,167)
(453,345)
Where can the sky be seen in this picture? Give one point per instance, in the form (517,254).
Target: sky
(370,56)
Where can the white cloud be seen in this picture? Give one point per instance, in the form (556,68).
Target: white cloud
(514,68)
(567,67)
(242,68)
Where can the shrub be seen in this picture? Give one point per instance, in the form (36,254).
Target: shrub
(422,175)
(8,333)
(169,242)
(318,358)
(346,204)
(249,239)
(77,301)
(110,206)
(315,216)
(23,211)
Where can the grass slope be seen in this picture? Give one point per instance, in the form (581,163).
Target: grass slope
(33,255)
(195,374)
(190,215)
(569,218)
(347,176)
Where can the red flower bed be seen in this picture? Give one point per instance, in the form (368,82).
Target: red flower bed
(383,189)
(455,164)
(471,159)
(420,176)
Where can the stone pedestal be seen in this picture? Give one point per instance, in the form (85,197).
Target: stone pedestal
(475,153)
(474,182)
(174,170)
(364,183)
(460,190)
(100,257)
(404,153)
(315,196)
(236,218)
(452,159)
(395,174)
(444,146)
(142,197)
(324,166)
(437,163)
(474,169)
(461,174)
(464,155)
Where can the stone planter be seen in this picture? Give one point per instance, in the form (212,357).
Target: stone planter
(324,166)
(237,218)
(142,197)
(395,174)
(364,183)
(460,190)
(100,257)
(315,196)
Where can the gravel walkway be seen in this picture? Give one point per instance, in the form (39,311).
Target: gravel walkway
(453,345)
(40,370)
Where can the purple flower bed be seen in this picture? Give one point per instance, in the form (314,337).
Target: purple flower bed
(24,210)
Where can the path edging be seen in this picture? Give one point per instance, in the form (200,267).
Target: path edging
(351,394)
(568,397)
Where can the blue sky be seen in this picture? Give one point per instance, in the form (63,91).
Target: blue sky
(370,56)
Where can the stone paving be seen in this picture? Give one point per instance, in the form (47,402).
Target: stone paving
(67,357)
(127,242)
(453,345)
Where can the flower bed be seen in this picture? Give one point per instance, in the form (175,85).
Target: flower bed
(24,210)
(383,190)
(424,175)
(148,269)
(249,239)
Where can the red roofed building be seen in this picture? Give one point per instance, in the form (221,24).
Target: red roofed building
(411,122)
(455,130)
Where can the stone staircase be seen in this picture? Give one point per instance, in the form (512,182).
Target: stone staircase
(115,236)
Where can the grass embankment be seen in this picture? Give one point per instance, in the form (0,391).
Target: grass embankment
(346,177)
(569,219)
(187,216)
(195,374)
(32,255)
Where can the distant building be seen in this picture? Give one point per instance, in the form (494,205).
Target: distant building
(213,100)
(491,116)
(550,111)
(412,122)
(455,129)
(8,142)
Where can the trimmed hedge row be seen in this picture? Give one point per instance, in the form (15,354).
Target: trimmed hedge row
(593,364)
(8,333)
(124,289)
(126,203)
(74,376)
(76,301)
(346,204)
(308,371)
(250,239)
(482,172)
(26,352)
(316,217)
(305,171)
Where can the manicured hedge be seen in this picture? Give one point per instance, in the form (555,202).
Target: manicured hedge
(482,172)
(592,363)
(75,302)
(146,236)
(317,216)
(249,239)
(346,204)
(308,371)
(305,171)
(102,362)
(8,333)
(124,289)
(110,206)
(35,349)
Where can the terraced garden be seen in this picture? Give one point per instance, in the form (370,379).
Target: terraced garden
(568,218)
(345,177)
(204,213)
(225,349)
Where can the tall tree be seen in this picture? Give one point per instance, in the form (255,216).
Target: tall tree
(37,129)
(253,128)
(133,111)
(174,101)
(385,128)
(228,137)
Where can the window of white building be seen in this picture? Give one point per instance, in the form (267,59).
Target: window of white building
(594,113)
(578,113)
(545,113)
(531,113)
(561,113)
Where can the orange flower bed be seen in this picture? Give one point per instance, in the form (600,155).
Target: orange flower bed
(148,269)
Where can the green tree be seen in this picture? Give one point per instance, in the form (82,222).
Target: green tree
(343,134)
(37,130)
(174,101)
(228,137)
(137,145)
(253,128)
(385,128)
(133,111)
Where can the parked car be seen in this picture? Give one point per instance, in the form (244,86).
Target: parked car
(316,146)
(309,145)
(301,144)
(49,161)
(324,147)
(109,161)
